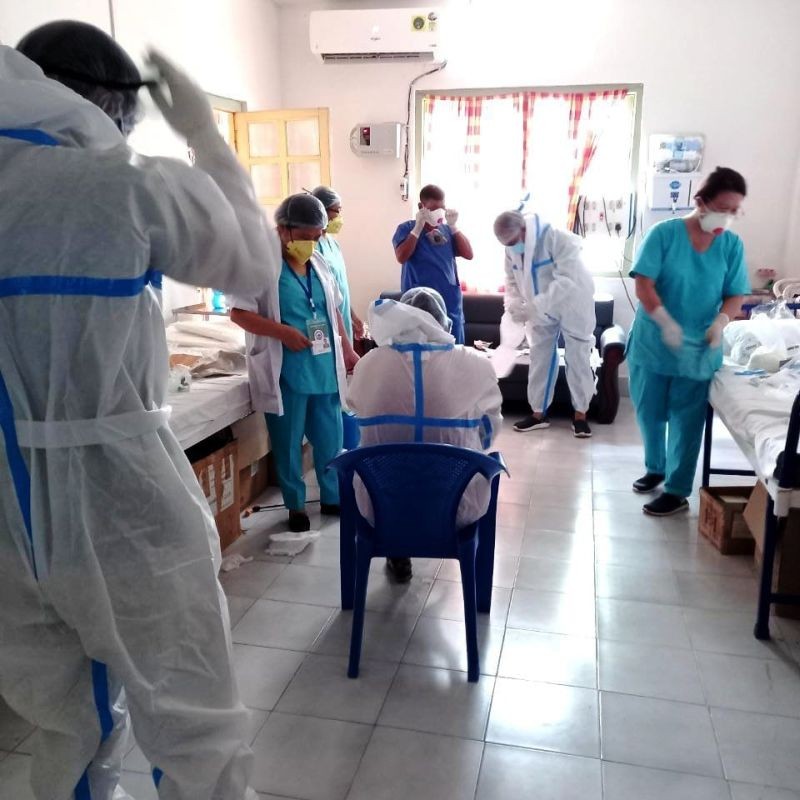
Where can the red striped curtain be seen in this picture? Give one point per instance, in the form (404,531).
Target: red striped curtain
(587,114)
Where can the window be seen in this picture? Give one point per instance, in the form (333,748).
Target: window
(285,151)
(571,153)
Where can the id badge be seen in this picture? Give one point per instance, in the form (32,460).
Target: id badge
(320,336)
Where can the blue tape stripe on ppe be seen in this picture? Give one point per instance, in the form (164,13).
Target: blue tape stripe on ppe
(157,776)
(71,285)
(410,419)
(420,348)
(544,263)
(101,699)
(553,371)
(17,465)
(32,136)
(419,395)
(486,433)
(82,791)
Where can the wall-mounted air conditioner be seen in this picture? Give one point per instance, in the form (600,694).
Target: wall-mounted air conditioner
(391,34)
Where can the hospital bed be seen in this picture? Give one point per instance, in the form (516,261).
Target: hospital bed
(765,424)
(211,405)
(219,392)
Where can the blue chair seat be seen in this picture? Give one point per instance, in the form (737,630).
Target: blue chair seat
(415,489)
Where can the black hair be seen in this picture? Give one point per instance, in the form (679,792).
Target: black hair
(431,192)
(722,179)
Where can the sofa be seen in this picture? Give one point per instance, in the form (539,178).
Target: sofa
(482,314)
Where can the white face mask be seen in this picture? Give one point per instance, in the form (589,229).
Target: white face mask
(435,216)
(716,222)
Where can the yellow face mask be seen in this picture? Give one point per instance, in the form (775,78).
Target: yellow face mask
(334,225)
(300,249)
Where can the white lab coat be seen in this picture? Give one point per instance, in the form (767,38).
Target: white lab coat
(550,285)
(265,353)
(108,550)
(457,384)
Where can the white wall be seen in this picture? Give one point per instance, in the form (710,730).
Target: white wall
(228,46)
(727,68)
(17,17)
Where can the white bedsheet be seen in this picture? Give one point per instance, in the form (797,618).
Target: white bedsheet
(757,418)
(211,405)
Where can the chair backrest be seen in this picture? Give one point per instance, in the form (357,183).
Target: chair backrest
(415,489)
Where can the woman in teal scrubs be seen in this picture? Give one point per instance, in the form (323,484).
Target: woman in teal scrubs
(332,253)
(690,277)
(297,341)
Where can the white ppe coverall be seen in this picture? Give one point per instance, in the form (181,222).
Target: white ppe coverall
(550,291)
(418,386)
(108,550)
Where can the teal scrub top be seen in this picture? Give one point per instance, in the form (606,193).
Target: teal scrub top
(303,372)
(692,287)
(332,253)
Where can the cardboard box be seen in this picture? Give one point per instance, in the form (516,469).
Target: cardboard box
(251,436)
(218,475)
(253,482)
(722,519)
(786,575)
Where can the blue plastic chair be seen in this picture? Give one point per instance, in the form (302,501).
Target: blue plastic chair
(415,490)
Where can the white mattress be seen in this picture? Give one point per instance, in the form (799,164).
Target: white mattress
(211,405)
(757,418)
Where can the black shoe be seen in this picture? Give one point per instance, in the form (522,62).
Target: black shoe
(330,509)
(532,422)
(665,505)
(399,569)
(648,482)
(581,429)
(299,522)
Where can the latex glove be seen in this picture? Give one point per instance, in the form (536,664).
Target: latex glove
(714,333)
(293,339)
(517,311)
(671,332)
(419,222)
(451,218)
(188,112)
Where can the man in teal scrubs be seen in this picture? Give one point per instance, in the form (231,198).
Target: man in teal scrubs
(332,253)
(690,277)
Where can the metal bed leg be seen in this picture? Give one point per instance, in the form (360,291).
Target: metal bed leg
(767,567)
(707,442)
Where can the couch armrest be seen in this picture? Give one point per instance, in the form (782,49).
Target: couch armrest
(613,337)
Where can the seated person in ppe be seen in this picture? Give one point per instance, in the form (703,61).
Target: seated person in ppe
(297,356)
(458,385)
(109,553)
(551,293)
(427,247)
(332,253)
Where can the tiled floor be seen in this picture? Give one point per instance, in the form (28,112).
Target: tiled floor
(618,661)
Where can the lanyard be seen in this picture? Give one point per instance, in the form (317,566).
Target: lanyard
(307,288)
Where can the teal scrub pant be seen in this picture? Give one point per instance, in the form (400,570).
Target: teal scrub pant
(318,417)
(671,412)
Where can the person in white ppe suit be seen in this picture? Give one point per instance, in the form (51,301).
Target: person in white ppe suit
(550,292)
(419,386)
(108,551)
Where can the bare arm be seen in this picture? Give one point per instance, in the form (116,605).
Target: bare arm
(647,294)
(732,306)
(350,355)
(406,249)
(261,326)
(462,246)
